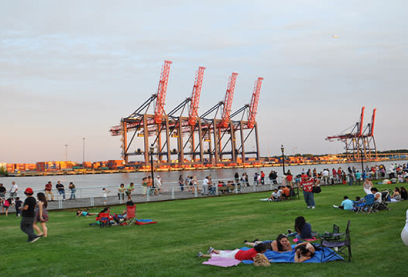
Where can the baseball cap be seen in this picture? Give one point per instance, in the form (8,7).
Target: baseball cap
(28,191)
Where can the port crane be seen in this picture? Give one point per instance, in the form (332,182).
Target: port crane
(359,143)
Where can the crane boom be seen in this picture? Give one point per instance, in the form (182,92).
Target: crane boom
(229,95)
(372,123)
(254,103)
(195,96)
(161,92)
(361,122)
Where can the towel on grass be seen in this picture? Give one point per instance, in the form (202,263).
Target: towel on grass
(144,221)
(222,262)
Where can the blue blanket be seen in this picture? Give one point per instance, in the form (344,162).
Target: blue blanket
(289,257)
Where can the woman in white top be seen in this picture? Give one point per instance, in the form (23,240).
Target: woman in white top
(367,185)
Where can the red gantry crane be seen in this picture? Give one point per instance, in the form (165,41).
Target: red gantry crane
(357,142)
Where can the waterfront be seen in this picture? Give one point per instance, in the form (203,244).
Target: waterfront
(92,184)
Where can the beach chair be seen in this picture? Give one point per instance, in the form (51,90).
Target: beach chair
(104,219)
(367,206)
(340,247)
(130,214)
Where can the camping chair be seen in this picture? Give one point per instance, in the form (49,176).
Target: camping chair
(367,206)
(340,247)
(294,192)
(334,235)
(104,220)
(130,215)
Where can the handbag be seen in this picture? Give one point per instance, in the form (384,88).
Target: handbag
(317,189)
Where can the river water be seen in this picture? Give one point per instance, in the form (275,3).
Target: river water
(92,184)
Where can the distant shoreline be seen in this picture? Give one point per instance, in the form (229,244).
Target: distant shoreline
(112,171)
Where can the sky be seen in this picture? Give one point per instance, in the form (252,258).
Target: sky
(69,70)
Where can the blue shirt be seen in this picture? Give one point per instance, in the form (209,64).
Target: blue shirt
(347,204)
(306,232)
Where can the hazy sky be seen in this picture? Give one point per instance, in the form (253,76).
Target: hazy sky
(72,69)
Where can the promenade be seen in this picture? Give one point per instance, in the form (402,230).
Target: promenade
(97,202)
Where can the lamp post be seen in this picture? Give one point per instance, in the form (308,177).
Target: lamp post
(362,162)
(283,158)
(151,163)
(83,152)
(66,152)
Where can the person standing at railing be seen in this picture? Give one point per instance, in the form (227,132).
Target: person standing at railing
(13,190)
(181,183)
(205,185)
(121,193)
(73,190)
(48,191)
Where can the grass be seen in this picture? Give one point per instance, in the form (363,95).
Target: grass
(185,227)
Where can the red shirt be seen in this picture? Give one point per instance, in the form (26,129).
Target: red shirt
(48,187)
(289,178)
(307,185)
(246,254)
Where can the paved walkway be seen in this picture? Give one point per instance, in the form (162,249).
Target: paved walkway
(91,202)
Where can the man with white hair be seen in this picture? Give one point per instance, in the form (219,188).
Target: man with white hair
(13,190)
(158,183)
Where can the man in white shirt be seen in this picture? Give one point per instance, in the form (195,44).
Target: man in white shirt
(205,185)
(158,183)
(325,176)
(13,190)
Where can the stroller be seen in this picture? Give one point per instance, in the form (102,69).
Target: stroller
(383,205)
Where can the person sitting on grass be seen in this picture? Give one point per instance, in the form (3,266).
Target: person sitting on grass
(275,196)
(235,254)
(304,251)
(303,229)
(347,204)
(281,244)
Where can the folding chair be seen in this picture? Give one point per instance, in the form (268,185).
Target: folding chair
(367,206)
(104,220)
(294,193)
(340,247)
(130,215)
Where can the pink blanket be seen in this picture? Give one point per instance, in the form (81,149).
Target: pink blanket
(223,262)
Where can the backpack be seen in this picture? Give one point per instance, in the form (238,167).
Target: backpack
(317,189)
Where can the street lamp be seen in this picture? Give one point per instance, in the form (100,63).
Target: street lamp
(66,152)
(151,163)
(283,158)
(83,152)
(362,162)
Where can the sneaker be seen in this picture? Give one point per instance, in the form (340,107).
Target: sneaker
(210,250)
(34,239)
(335,206)
(308,207)
(245,241)
(289,231)
(200,254)
(313,207)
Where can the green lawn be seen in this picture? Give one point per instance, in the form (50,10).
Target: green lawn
(185,227)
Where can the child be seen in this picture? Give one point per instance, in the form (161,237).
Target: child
(235,254)
(17,205)
(105,195)
(6,204)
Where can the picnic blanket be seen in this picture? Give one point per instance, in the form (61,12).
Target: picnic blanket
(144,221)
(273,257)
